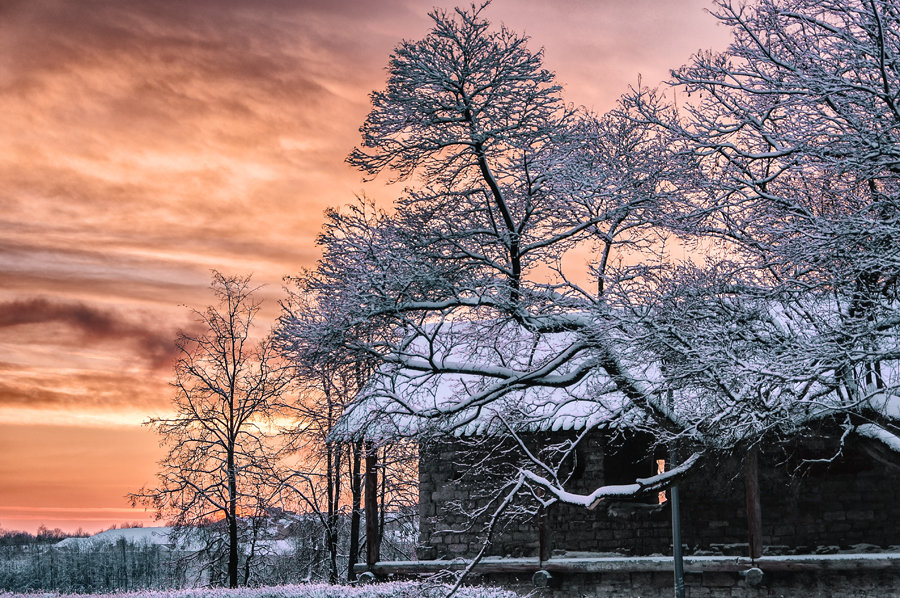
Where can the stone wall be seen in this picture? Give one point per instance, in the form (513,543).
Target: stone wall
(630,526)
(820,584)
(805,507)
(456,481)
(851,500)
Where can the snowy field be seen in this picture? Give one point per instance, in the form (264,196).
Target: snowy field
(382,590)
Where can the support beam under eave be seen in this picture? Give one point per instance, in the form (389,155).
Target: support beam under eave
(754,510)
(543,535)
(373,547)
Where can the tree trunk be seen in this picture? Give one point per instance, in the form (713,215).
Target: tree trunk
(252,553)
(232,522)
(356,493)
(334,497)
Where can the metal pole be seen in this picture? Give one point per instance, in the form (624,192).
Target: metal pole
(676,542)
(676,516)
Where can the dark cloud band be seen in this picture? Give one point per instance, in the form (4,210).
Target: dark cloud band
(151,343)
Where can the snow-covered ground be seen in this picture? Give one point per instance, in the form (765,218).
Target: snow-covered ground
(383,590)
(159,536)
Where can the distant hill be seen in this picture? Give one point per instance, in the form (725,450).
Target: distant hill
(135,535)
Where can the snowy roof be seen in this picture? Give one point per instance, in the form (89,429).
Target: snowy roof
(414,401)
(497,375)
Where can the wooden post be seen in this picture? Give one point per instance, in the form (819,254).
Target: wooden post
(371,506)
(754,511)
(677,555)
(543,532)
(675,506)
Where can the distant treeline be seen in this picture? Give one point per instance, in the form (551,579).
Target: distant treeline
(120,566)
(42,536)
(32,563)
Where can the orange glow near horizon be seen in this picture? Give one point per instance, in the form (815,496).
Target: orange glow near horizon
(73,477)
(145,143)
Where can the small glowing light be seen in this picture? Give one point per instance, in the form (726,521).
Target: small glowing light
(661,468)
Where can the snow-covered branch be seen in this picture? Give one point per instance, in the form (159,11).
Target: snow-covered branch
(640,485)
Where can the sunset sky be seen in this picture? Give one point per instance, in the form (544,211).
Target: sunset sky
(146,142)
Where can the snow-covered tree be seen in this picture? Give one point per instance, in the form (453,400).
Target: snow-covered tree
(475,309)
(471,296)
(328,378)
(794,132)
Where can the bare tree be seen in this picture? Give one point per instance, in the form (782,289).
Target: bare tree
(222,460)
(328,378)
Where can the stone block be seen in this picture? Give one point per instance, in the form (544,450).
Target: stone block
(718,579)
(860,515)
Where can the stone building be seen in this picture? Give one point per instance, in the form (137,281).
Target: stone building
(816,517)
(805,506)
(828,519)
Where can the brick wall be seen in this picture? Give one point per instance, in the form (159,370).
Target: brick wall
(849,501)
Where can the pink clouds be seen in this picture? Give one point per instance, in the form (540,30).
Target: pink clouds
(144,143)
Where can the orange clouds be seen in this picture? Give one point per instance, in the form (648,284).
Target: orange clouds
(161,124)
(144,143)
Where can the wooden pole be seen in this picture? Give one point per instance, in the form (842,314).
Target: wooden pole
(543,532)
(675,505)
(371,506)
(754,510)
